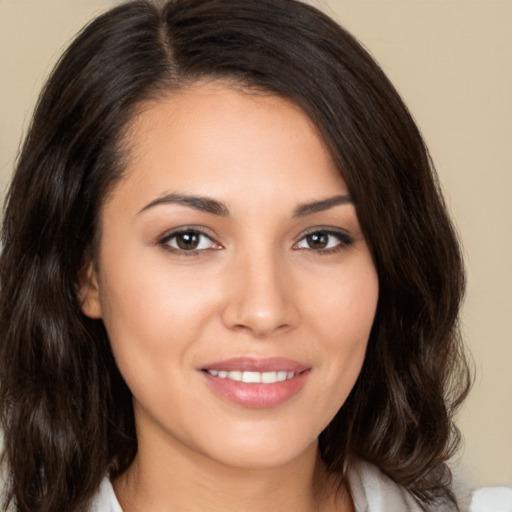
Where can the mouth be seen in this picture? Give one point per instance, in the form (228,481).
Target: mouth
(256,383)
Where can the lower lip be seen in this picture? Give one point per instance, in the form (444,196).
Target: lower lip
(257,396)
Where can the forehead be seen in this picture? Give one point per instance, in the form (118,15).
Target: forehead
(211,137)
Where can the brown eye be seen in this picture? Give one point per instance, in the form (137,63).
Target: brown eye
(189,240)
(317,240)
(324,241)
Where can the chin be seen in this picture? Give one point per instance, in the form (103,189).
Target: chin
(262,448)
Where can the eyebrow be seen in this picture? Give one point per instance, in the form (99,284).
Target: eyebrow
(208,205)
(204,204)
(322,205)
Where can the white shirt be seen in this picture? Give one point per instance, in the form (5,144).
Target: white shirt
(371,490)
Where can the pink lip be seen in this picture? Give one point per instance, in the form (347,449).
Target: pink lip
(253,395)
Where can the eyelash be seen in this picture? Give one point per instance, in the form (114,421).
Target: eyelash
(344,241)
(166,239)
(343,238)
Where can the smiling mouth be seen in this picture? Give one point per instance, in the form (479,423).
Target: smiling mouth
(251,377)
(258,383)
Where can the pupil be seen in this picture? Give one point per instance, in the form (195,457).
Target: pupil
(187,241)
(317,240)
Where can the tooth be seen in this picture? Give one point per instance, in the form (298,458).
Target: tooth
(268,377)
(281,376)
(251,377)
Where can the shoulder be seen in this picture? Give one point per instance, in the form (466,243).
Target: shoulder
(105,499)
(373,491)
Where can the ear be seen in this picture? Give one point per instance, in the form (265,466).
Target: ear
(89,291)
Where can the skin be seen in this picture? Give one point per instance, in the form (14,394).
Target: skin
(255,287)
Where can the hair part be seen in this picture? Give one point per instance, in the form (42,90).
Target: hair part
(64,407)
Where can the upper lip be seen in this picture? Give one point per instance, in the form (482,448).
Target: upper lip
(254,364)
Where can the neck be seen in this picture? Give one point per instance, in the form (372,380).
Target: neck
(180,479)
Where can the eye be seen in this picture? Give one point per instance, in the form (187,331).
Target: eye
(324,240)
(188,240)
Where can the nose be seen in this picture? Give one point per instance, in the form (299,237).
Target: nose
(261,297)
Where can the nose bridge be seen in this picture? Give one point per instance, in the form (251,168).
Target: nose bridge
(262,299)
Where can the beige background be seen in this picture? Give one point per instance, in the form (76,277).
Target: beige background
(452,63)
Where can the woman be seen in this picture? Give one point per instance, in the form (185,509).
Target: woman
(224,275)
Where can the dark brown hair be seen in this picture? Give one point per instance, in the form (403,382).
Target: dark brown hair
(65,410)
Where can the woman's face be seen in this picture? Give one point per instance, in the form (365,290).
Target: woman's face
(233,278)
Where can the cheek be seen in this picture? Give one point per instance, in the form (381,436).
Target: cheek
(344,317)
(143,292)
(152,316)
(345,303)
